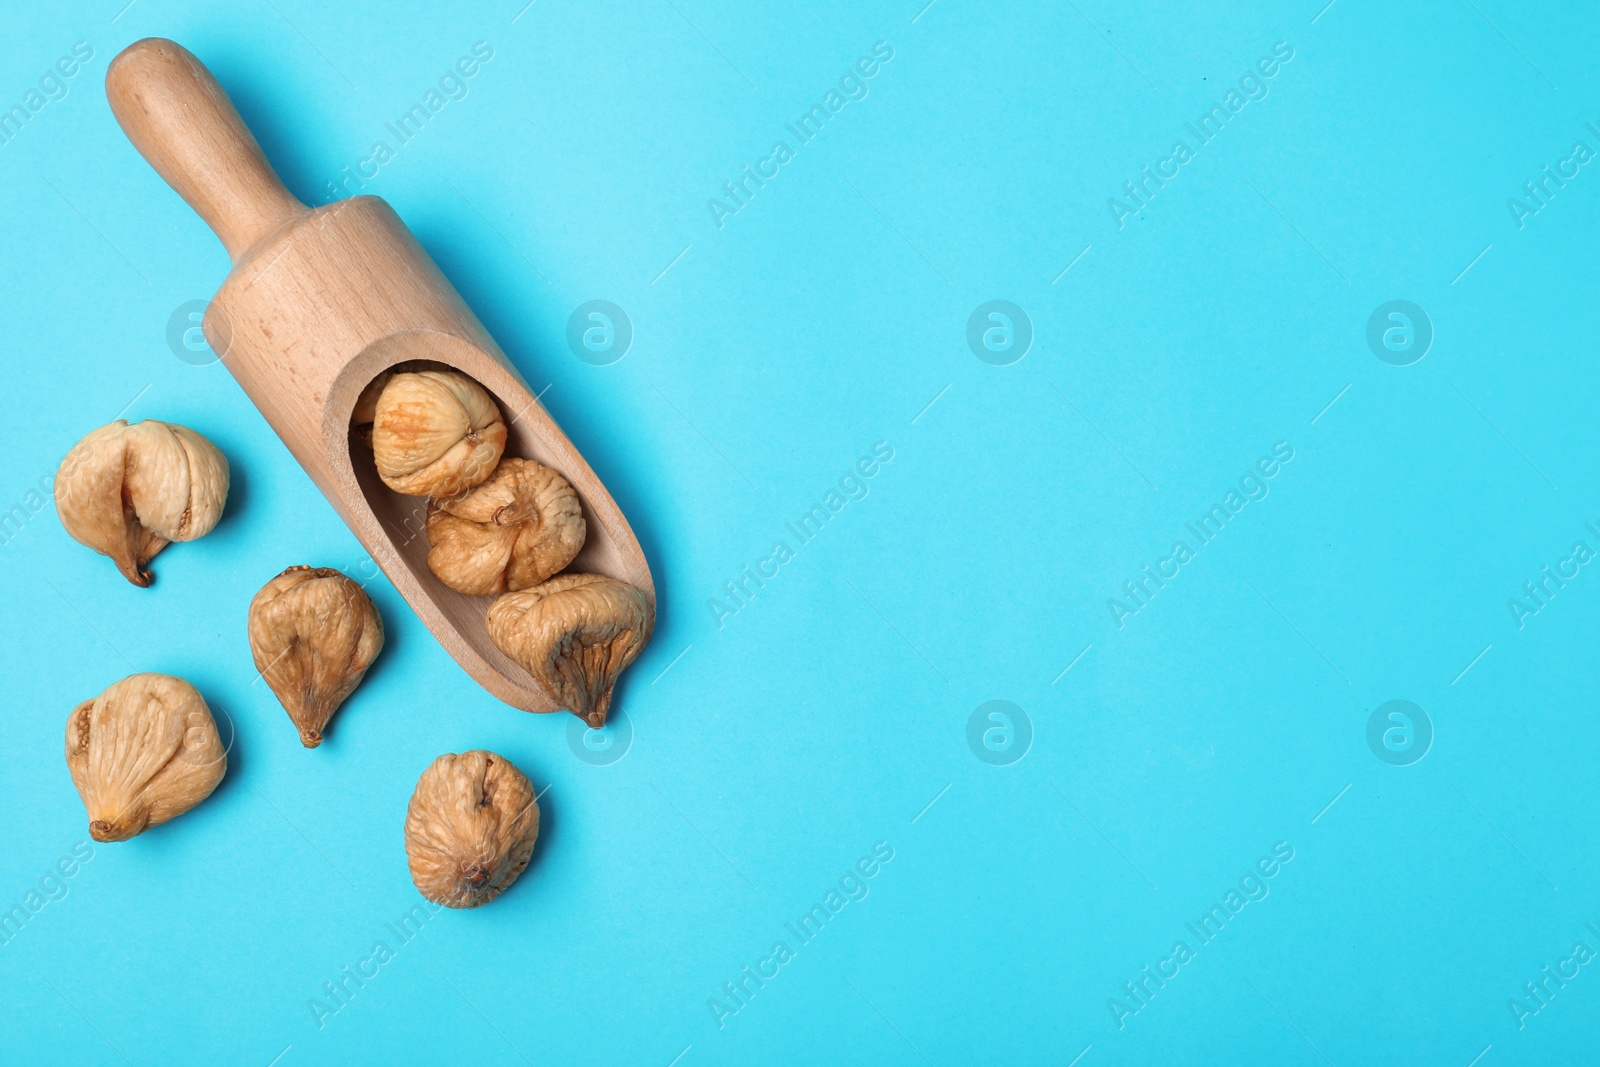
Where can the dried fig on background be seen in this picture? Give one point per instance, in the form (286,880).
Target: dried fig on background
(435,433)
(313,633)
(144,751)
(509,533)
(129,491)
(470,828)
(575,634)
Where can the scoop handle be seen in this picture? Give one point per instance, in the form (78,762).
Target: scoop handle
(184,125)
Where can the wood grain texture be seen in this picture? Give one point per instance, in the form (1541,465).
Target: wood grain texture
(179,119)
(319,302)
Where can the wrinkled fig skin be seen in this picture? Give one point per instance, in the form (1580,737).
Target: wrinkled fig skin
(512,532)
(313,633)
(470,828)
(366,409)
(129,491)
(144,751)
(435,433)
(575,634)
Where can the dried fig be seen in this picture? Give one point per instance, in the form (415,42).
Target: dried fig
(144,751)
(575,634)
(512,532)
(470,828)
(366,409)
(129,491)
(313,633)
(435,433)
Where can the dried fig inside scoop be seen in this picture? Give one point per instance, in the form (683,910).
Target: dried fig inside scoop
(575,634)
(129,491)
(313,633)
(512,532)
(470,828)
(435,433)
(144,751)
(366,409)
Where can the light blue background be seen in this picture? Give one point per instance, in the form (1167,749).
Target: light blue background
(772,752)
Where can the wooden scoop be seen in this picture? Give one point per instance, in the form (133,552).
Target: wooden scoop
(319,302)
